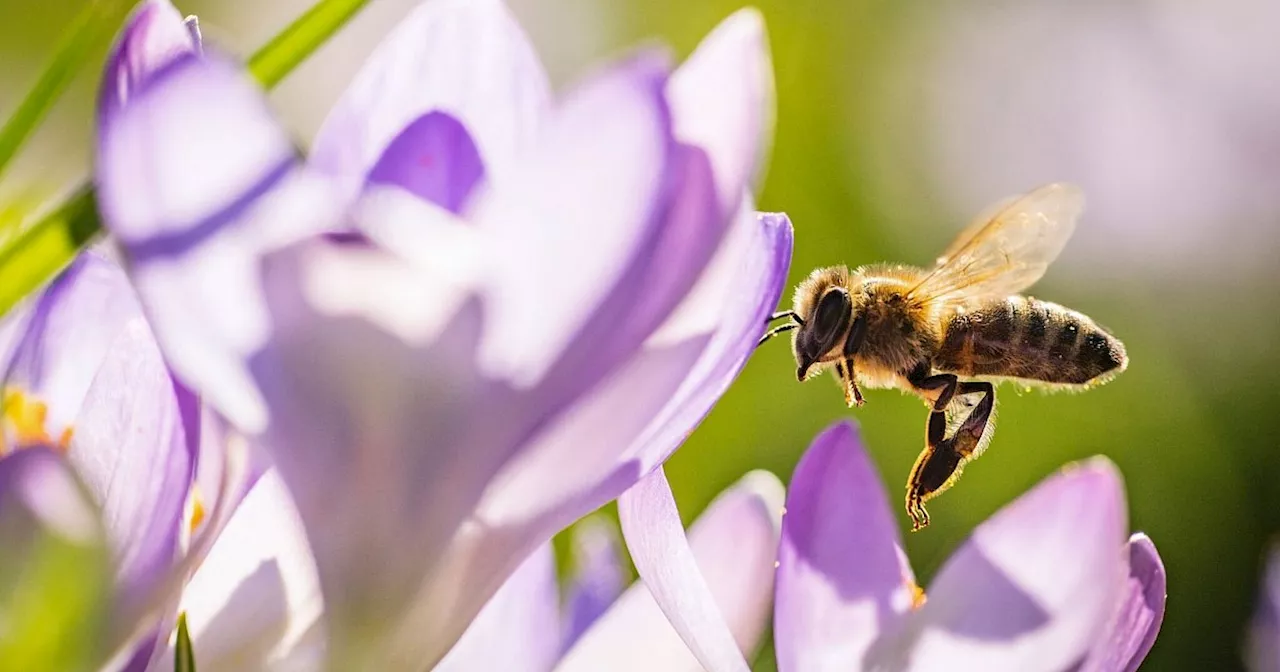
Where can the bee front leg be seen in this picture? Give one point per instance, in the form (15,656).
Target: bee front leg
(848,380)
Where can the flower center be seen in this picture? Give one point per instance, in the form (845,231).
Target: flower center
(23,423)
(195,508)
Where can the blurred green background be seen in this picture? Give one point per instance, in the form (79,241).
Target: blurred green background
(897,121)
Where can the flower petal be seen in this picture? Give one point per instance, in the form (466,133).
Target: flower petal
(382,429)
(598,575)
(722,101)
(733,542)
(1135,626)
(433,158)
(573,215)
(1035,585)
(65,337)
(519,629)
(135,446)
(467,58)
(843,578)
(194,211)
(254,600)
(595,452)
(154,36)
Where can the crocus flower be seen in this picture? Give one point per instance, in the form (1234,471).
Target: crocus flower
(524,627)
(1047,583)
(82,376)
(474,315)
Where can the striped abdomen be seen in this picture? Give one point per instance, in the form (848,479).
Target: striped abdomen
(1019,337)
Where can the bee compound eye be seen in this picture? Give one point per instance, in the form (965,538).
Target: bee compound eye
(829,321)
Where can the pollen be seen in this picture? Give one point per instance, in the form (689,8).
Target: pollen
(24,422)
(195,508)
(918,598)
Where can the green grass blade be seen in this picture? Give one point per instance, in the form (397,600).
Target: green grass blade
(86,32)
(184,655)
(294,44)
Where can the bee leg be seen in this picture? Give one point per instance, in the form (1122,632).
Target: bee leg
(947,382)
(934,470)
(968,437)
(852,395)
(939,466)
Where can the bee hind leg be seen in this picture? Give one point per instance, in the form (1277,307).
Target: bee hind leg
(946,383)
(943,459)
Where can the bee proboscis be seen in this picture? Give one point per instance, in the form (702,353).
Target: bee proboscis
(923,330)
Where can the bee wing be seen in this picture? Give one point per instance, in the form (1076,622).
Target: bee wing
(1006,252)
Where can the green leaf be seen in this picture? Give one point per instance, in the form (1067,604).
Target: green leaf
(30,259)
(87,31)
(184,656)
(287,50)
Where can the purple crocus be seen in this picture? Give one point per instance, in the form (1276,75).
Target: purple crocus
(524,627)
(473,315)
(83,377)
(1047,583)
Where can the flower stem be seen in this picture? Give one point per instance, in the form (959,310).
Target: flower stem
(35,255)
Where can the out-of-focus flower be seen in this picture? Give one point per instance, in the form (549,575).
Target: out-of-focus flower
(524,628)
(82,374)
(520,309)
(1047,583)
(1263,646)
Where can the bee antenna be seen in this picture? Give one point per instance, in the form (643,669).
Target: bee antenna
(786,313)
(777,330)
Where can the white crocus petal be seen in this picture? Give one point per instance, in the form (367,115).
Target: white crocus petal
(573,214)
(732,544)
(519,628)
(256,598)
(722,100)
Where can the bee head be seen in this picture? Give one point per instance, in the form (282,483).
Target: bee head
(823,328)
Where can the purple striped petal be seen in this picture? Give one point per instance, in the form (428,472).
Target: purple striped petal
(722,101)
(734,544)
(87,354)
(598,575)
(1032,588)
(66,335)
(466,58)
(1133,629)
(135,447)
(154,37)
(195,179)
(843,578)
(519,629)
(433,158)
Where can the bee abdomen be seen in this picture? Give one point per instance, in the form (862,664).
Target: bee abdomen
(1035,340)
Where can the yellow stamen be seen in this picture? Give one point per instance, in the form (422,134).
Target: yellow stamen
(24,419)
(918,598)
(196,502)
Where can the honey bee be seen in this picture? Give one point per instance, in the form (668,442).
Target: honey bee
(922,330)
